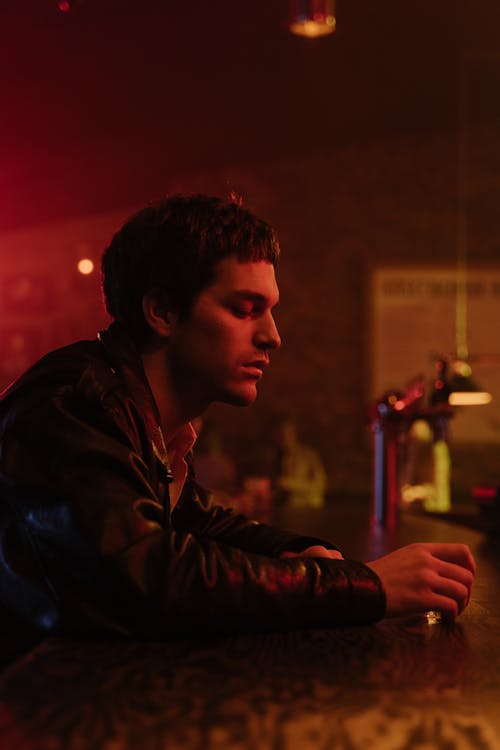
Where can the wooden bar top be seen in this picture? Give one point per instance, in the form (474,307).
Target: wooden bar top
(399,685)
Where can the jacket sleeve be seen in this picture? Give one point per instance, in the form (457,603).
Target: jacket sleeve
(198,511)
(84,543)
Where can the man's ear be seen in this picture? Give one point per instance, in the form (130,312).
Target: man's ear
(157,312)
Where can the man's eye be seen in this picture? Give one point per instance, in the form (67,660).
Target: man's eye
(242,312)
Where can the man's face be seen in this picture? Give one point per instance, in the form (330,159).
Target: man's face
(219,352)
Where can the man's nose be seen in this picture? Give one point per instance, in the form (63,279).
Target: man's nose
(267,336)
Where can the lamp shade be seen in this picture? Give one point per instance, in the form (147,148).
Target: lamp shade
(458,388)
(312,18)
(464,391)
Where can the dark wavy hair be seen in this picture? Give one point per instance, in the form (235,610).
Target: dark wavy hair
(173,246)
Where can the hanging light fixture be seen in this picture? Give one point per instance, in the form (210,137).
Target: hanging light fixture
(463,391)
(457,387)
(312,18)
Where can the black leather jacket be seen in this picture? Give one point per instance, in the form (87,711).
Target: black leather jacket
(88,543)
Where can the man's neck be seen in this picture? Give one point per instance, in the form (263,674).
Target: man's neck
(174,412)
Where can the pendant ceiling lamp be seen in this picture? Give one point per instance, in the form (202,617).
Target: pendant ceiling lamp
(312,18)
(463,390)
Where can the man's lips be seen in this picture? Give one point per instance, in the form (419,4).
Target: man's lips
(256,367)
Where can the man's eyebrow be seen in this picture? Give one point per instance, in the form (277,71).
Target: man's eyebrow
(250,294)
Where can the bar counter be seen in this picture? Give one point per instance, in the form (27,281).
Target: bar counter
(401,684)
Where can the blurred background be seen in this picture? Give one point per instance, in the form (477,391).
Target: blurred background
(351,145)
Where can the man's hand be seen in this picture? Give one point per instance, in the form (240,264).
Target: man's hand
(423,577)
(316,551)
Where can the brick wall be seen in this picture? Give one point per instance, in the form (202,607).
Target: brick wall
(338,214)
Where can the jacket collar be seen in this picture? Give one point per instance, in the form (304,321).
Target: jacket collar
(126,361)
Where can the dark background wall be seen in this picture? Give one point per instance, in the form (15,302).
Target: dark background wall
(347,144)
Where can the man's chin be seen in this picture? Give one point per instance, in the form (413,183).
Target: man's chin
(240,397)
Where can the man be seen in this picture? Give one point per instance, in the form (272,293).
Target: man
(103,528)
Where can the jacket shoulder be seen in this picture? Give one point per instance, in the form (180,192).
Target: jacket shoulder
(64,367)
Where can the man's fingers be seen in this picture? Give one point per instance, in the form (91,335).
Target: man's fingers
(459,554)
(455,572)
(316,551)
(446,606)
(454,580)
(426,576)
(454,591)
